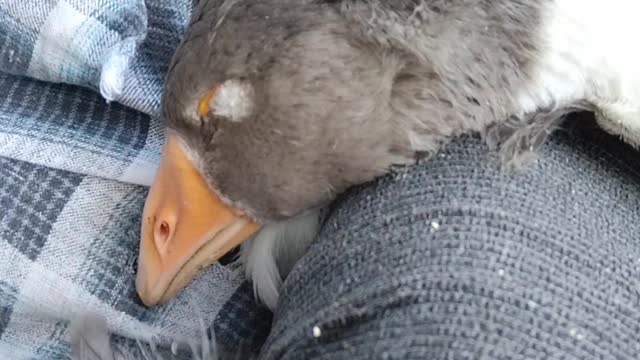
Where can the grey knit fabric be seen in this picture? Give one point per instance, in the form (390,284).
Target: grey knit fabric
(455,259)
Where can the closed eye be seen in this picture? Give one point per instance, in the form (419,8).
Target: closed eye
(208,127)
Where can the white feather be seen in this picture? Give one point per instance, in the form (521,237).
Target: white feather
(591,54)
(272,253)
(233,100)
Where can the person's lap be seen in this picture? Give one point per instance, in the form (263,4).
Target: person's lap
(454,258)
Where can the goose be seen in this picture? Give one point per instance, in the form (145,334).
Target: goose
(273,108)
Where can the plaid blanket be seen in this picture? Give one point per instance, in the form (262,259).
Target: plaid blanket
(80,84)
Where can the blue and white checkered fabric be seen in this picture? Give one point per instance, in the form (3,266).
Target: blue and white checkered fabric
(73,175)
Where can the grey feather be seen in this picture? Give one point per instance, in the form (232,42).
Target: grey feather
(90,339)
(519,139)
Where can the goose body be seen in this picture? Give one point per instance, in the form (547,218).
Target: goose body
(274,107)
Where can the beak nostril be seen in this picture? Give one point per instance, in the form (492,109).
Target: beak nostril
(162,235)
(164,229)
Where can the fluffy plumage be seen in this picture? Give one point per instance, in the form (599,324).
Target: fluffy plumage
(92,340)
(274,251)
(341,91)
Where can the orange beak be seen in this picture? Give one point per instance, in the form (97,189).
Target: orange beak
(185,227)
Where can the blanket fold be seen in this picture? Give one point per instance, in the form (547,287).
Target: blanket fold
(80,141)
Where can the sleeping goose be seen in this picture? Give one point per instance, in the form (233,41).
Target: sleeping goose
(272,108)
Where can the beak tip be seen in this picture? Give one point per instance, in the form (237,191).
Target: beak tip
(143,290)
(145,298)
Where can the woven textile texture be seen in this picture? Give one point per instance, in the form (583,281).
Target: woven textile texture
(457,259)
(79,144)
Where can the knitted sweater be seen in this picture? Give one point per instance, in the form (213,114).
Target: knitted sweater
(456,259)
